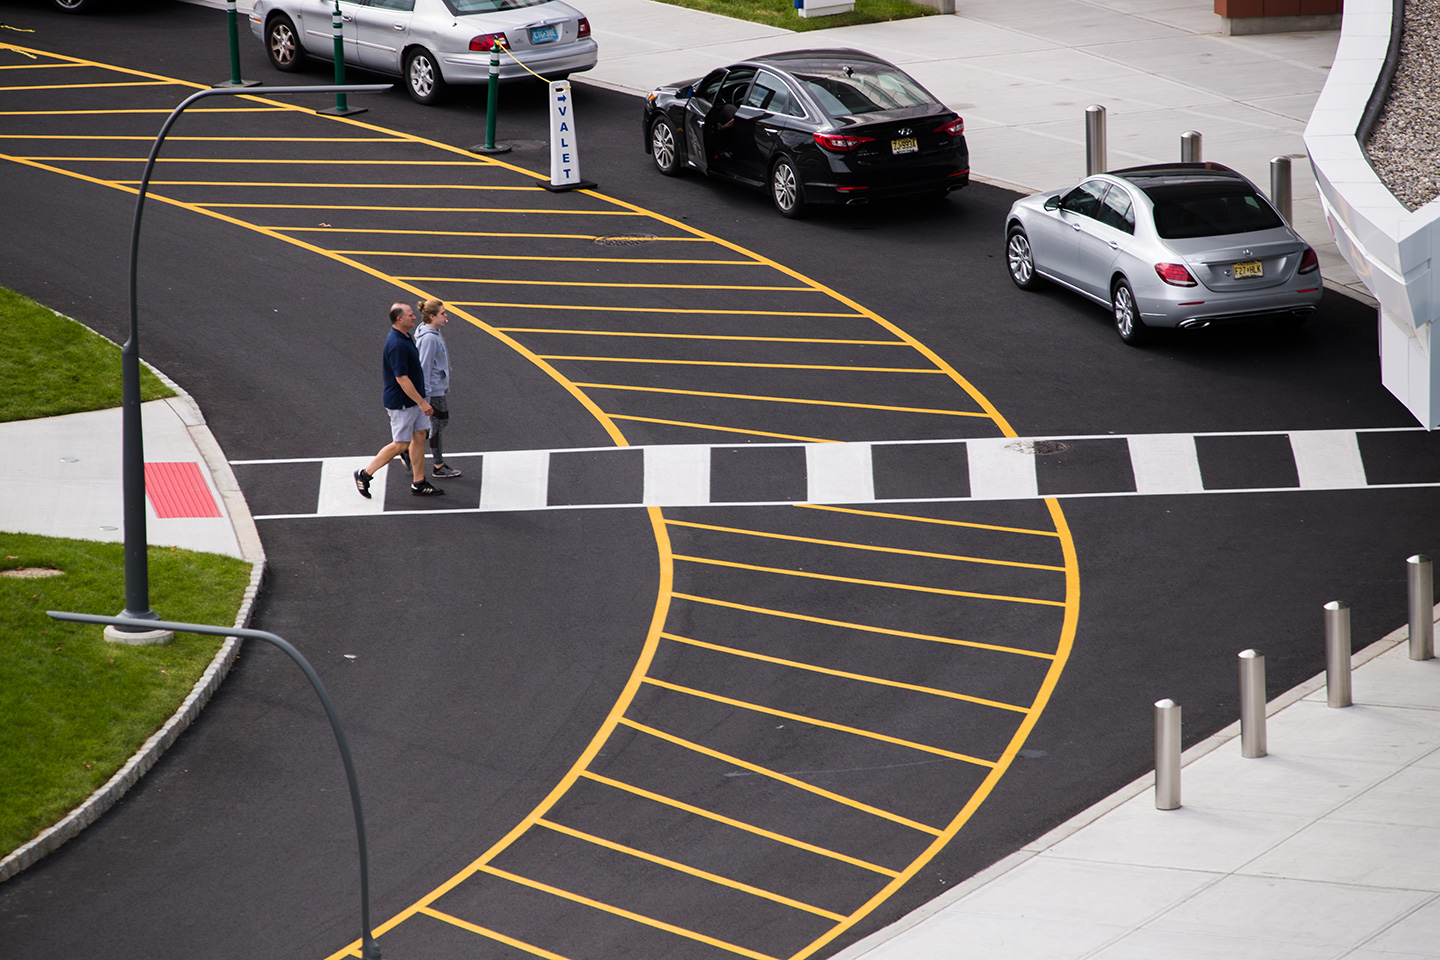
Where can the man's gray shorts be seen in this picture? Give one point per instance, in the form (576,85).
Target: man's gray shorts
(405,422)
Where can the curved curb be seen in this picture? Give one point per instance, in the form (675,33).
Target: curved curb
(52,838)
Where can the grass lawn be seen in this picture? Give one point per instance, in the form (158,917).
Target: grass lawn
(50,365)
(781,13)
(74,706)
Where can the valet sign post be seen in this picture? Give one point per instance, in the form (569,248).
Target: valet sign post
(564,148)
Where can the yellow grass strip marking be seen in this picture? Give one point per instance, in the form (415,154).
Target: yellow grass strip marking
(529,948)
(863,627)
(771,399)
(697,336)
(776,775)
(948,523)
(845,674)
(850,545)
(816,722)
(627,914)
(740,825)
(714,878)
(859,581)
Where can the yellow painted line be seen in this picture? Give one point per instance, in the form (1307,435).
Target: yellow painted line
(849,545)
(740,825)
(36,66)
(845,674)
(267,160)
(500,235)
(627,914)
(783,778)
(666,310)
(727,363)
(92,136)
(816,722)
(948,523)
(858,581)
(497,256)
(772,399)
(92,86)
(380,209)
(864,627)
(692,871)
(697,336)
(76,113)
(591,283)
(529,948)
(715,426)
(345,186)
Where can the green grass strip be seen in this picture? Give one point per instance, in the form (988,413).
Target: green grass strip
(51,365)
(74,707)
(782,13)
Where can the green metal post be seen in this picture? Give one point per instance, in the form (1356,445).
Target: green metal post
(234,42)
(492,107)
(339,28)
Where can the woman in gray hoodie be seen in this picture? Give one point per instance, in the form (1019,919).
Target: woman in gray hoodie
(435,362)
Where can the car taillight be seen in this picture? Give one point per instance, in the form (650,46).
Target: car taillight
(584,27)
(952,129)
(489,41)
(1309,263)
(1175,274)
(841,142)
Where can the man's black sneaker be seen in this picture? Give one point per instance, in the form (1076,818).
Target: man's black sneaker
(362,483)
(424,489)
(405,455)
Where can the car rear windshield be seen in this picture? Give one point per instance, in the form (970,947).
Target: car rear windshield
(844,90)
(462,7)
(1209,210)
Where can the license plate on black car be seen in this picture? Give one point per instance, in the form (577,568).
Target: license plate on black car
(544,34)
(904,145)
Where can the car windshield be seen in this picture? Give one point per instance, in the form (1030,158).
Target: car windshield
(462,7)
(1211,209)
(843,90)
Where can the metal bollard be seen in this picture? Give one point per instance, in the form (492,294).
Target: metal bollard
(492,106)
(1420,577)
(1190,146)
(1337,654)
(1167,755)
(342,107)
(1252,704)
(1280,193)
(1095,161)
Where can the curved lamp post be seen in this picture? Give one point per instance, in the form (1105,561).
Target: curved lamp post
(137,572)
(370,949)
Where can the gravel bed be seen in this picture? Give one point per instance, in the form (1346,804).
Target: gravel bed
(1404,146)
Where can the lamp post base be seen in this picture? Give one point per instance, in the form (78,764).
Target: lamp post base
(139,638)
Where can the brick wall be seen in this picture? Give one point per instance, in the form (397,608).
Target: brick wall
(1277,8)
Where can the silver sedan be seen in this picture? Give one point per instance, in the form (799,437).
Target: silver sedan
(430,43)
(1171,245)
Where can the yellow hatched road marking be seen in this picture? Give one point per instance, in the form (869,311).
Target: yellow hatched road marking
(948,523)
(727,363)
(692,871)
(816,722)
(863,627)
(783,778)
(695,336)
(862,546)
(740,825)
(267,160)
(36,66)
(344,186)
(835,578)
(627,914)
(829,671)
(91,86)
(770,399)
(501,235)
(380,209)
(193,139)
(498,256)
(668,310)
(719,427)
(492,934)
(76,113)
(598,283)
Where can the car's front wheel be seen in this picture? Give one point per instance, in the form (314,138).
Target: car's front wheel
(786,190)
(422,77)
(664,147)
(1127,315)
(1020,258)
(282,43)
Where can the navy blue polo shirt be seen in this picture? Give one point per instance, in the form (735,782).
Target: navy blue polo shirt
(401,359)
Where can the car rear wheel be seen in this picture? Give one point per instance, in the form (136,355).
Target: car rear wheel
(785,189)
(78,6)
(282,43)
(1127,315)
(663,147)
(422,77)
(1020,259)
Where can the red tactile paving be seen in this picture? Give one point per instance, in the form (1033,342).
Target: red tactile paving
(179,490)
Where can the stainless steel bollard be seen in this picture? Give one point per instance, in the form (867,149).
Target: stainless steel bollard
(1167,755)
(1095,161)
(1252,704)
(1190,146)
(1337,654)
(1420,577)
(1280,193)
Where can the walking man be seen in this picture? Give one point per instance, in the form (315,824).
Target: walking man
(408,411)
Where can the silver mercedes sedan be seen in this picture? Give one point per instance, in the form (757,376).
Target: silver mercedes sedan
(1184,245)
(430,43)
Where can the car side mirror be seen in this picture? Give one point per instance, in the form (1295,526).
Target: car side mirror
(1052,203)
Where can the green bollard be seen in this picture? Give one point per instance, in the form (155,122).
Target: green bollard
(337,25)
(492,106)
(232,15)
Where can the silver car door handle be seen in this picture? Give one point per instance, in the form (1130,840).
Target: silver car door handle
(398,26)
(1114,245)
(347,18)
(1075,227)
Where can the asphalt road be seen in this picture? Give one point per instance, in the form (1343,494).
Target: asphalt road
(489,649)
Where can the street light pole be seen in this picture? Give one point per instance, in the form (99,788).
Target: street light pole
(137,617)
(370,948)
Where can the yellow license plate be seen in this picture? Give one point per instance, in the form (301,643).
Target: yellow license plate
(905,145)
(1251,269)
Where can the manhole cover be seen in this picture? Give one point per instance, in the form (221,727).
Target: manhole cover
(624,239)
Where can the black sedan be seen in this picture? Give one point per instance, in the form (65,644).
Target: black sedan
(810,126)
